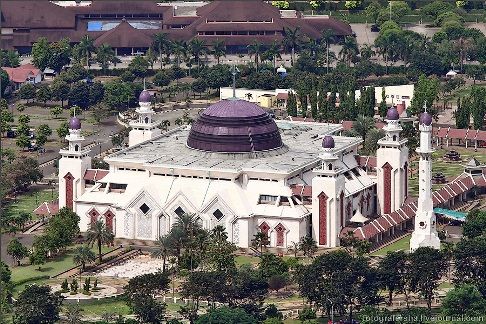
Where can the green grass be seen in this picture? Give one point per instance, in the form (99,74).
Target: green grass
(246,259)
(51,268)
(401,244)
(111,305)
(30,201)
(446,285)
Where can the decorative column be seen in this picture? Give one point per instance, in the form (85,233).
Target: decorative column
(144,128)
(391,158)
(425,230)
(327,197)
(74,162)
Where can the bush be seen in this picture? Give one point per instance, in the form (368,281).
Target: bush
(162,78)
(65,286)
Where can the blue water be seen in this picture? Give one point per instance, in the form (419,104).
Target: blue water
(451,214)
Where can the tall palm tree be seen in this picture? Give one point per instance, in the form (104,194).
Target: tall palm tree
(362,125)
(164,249)
(256,49)
(219,234)
(197,48)
(83,255)
(327,37)
(366,52)
(86,48)
(272,53)
(219,49)
(349,49)
(99,234)
(260,240)
(187,223)
(292,39)
(160,42)
(104,55)
(308,246)
(179,48)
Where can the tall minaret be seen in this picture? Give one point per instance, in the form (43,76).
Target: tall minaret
(392,166)
(144,128)
(425,232)
(74,162)
(328,197)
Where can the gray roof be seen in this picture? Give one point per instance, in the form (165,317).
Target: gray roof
(302,146)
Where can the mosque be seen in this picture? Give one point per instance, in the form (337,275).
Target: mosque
(239,168)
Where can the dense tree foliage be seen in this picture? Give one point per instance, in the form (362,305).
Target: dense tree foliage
(37,304)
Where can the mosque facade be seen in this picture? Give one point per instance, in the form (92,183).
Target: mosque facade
(239,168)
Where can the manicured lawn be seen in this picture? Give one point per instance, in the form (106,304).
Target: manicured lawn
(99,307)
(246,259)
(51,268)
(30,201)
(402,244)
(446,285)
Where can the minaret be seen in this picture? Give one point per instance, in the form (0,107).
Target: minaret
(144,128)
(74,162)
(392,166)
(425,232)
(327,197)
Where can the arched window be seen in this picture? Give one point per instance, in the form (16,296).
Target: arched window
(76,147)
(264,228)
(394,137)
(280,230)
(146,120)
(329,166)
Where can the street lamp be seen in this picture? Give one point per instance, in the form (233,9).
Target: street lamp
(332,310)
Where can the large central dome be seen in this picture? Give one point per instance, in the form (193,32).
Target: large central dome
(234,126)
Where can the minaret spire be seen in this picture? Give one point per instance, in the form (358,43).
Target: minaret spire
(234,71)
(425,231)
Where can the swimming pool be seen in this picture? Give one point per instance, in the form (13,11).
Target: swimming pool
(451,214)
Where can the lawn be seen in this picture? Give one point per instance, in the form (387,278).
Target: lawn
(31,200)
(99,307)
(401,244)
(51,268)
(246,259)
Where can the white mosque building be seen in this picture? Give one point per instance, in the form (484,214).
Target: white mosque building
(239,168)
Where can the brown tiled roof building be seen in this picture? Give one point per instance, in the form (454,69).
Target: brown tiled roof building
(131,24)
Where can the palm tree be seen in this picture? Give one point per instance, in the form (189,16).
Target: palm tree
(105,55)
(83,255)
(314,47)
(292,40)
(272,53)
(349,49)
(99,234)
(255,49)
(219,49)
(219,234)
(165,124)
(187,223)
(327,37)
(85,48)
(294,248)
(197,48)
(362,125)
(308,246)
(179,48)
(164,249)
(160,42)
(366,52)
(260,240)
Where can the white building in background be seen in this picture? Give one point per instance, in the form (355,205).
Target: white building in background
(425,232)
(239,168)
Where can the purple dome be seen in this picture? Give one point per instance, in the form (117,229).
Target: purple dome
(328,142)
(425,118)
(145,96)
(74,123)
(392,114)
(234,126)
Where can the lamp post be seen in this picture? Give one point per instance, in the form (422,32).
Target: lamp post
(332,310)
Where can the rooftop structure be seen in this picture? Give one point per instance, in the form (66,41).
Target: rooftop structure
(130,25)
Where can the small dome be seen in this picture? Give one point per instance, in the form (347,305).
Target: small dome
(392,114)
(425,118)
(328,142)
(74,123)
(145,96)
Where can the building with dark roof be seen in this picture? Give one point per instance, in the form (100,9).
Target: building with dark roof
(130,25)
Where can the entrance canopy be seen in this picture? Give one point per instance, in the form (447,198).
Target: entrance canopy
(452,214)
